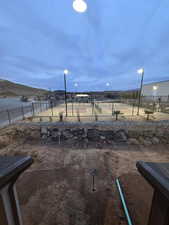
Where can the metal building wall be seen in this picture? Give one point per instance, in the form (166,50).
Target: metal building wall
(162,89)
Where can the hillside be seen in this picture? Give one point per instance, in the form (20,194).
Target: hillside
(8,88)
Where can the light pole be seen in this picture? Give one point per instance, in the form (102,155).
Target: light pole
(140,71)
(65,73)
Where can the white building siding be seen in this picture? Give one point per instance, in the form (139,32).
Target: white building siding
(162,89)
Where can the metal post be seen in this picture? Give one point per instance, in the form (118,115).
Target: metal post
(116,116)
(133,109)
(33,109)
(112,109)
(65,93)
(23,114)
(41,106)
(9,116)
(139,97)
(52,108)
(72,106)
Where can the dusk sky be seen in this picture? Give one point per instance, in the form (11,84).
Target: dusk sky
(106,44)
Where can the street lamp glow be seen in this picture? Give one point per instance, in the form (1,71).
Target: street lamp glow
(107,84)
(155,88)
(140,71)
(75,84)
(80,6)
(66,72)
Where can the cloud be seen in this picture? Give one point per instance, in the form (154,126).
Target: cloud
(39,39)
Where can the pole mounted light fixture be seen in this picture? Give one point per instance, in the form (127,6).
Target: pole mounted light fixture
(155,88)
(79,6)
(140,71)
(66,71)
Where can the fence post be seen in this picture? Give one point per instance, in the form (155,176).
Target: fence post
(23,115)
(9,116)
(133,109)
(112,108)
(154,105)
(72,108)
(40,106)
(33,109)
(52,109)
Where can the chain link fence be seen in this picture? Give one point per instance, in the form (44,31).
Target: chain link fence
(10,116)
(92,110)
(152,103)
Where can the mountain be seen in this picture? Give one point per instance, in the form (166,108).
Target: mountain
(9,89)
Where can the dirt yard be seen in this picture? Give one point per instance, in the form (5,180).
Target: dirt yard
(58,188)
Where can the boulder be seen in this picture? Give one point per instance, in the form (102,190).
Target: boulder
(67,134)
(93,135)
(147,142)
(120,136)
(133,141)
(141,140)
(4,141)
(155,140)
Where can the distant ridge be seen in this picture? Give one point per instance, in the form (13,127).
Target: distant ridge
(9,89)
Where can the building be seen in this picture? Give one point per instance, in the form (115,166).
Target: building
(156,89)
(82,97)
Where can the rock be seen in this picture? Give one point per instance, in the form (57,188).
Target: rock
(4,141)
(141,140)
(147,142)
(93,135)
(148,133)
(79,132)
(55,134)
(120,136)
(155,140)
(108,134)
(102,137)
(67,134)
(133,141)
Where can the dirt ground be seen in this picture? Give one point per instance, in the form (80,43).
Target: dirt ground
(58,188)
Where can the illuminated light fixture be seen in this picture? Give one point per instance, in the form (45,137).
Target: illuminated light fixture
(107,84)
(80,6)
(155,88)
(66,72)
(75,84)
(140,71)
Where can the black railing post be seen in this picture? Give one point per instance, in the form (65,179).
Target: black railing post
(10,170)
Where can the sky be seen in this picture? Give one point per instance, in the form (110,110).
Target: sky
(104,45)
